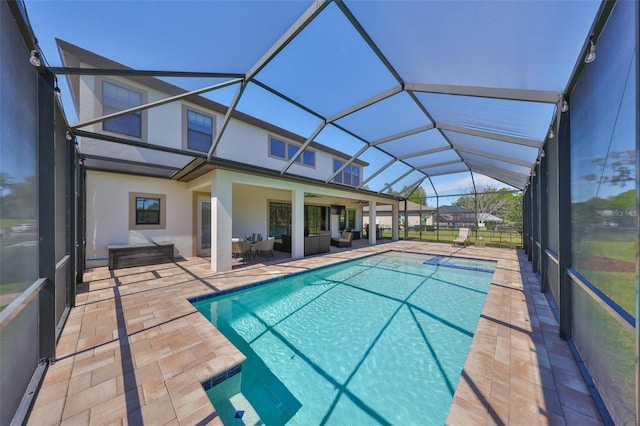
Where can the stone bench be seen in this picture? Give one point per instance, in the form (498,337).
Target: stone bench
(126,255)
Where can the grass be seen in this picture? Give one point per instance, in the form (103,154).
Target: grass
(17,287)
(491,238)
(619,286)
(8,223)
(619,250)
(609,351)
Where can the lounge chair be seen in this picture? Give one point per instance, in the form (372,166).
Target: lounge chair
(343,241)
(462,238)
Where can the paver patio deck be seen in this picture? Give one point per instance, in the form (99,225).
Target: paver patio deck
(135,351)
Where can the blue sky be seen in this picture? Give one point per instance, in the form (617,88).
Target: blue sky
(231,36)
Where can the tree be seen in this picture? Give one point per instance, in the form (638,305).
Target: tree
(414,196)
(503,203)
(22,201)
(418,196)
(6,182)
(620,166)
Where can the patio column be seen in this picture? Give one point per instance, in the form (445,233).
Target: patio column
(221,221)
(297,224)
(372,222)
(395,221)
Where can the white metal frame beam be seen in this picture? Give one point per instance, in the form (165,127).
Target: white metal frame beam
(444,163)
(487,92)
(493,156)
(383,168)
(389,185)
(490,135)
(425,152)
(402,134)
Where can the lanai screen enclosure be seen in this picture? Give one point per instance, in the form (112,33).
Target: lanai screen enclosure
(431,95)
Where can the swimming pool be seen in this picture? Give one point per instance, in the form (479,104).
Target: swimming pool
(378,340)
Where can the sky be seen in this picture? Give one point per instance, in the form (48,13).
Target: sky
(329,67)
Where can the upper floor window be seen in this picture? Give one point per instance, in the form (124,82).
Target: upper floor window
(199,131)
(117,98)
(286,151)
(349,176)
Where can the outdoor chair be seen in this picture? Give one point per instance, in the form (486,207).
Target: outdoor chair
(241,248)
(462,238)
(343,241)
(265,248)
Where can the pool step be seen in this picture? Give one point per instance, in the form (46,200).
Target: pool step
(231,405)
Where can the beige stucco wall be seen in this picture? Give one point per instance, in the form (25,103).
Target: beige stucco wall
(108,214)
(108,208)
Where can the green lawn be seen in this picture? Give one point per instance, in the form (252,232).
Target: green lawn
(619,286)
(17,287)
(614,353)
(8,223)
(619,250)
(491,238)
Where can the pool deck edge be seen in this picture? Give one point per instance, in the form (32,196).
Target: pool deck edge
(134,350)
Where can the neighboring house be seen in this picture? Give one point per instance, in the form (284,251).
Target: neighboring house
(417,214)
(454,217)
(486,218)
(172,193)
(447,216)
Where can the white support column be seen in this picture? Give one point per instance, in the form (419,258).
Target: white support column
(372,222)
(221,221)
(297,224)
(395,222)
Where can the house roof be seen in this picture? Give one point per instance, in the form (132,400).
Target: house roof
(412,207)
(486,217)
(431,94)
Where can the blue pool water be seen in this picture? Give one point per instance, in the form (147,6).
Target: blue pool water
(378,340)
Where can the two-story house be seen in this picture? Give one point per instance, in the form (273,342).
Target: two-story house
(145,144)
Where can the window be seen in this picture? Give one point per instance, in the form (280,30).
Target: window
(117,98)
(315,219)
(147,211)
(349,176)
(336,165)
(351,219)
(309,158)
(277,148)
(291,151)
(198,130)
(279,219)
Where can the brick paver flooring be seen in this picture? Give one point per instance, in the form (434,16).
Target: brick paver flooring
(135,351)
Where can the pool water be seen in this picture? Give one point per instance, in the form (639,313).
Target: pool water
(378,340)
